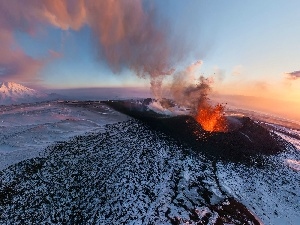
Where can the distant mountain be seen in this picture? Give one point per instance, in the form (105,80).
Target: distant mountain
(14,93)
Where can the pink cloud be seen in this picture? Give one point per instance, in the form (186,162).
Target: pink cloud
(128,35)
(295,75)
(15,65)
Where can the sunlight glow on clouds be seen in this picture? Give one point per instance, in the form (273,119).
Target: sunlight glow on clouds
(76,43)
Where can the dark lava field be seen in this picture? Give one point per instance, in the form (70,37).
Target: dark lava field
(133,173)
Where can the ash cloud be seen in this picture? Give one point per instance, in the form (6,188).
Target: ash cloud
(189,91)
(295,75)
(128,34)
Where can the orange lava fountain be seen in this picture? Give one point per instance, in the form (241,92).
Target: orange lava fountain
(211,118)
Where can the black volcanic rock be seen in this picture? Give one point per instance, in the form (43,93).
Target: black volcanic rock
(244,143)
(129,174)
(143,172)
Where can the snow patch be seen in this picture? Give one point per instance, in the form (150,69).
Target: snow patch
(293,164)
(26,130)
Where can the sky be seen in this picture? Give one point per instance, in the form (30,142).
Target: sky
(248,47)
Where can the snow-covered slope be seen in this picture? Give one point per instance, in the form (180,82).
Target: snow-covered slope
(13,93)
(25,130)
(127,174)
(108,169)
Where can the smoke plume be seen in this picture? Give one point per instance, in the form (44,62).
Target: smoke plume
(194,96)
(129,34)
(189,91)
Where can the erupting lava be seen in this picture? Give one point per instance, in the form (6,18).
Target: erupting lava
(211,118)
(194,96)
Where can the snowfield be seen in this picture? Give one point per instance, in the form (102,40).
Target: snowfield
(84,163)
(27,129)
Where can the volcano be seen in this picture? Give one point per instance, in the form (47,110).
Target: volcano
(245,141)
(103,167)
(14,93)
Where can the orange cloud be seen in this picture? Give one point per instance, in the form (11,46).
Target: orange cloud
(63,14)
(15,65)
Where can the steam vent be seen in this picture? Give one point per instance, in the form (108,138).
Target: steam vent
(244,141)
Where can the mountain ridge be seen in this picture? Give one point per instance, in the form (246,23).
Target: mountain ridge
(14,93)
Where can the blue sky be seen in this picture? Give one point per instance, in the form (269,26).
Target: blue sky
(252,43)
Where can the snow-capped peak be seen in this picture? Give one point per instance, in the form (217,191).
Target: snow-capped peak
(11,89)
(14,93)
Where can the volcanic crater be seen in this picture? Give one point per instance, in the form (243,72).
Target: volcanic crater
(244,141)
